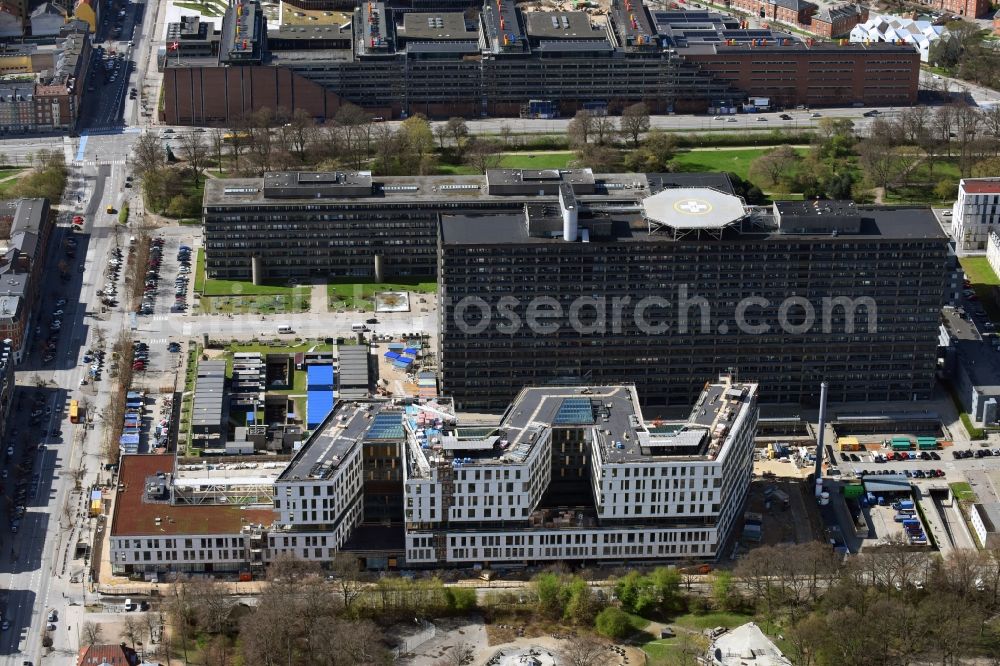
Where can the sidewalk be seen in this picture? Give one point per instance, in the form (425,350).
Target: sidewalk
(319,301)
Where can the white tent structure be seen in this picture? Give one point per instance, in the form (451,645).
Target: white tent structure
(889,28)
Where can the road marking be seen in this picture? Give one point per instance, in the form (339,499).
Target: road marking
(82,148)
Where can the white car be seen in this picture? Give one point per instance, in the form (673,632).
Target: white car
(57,313)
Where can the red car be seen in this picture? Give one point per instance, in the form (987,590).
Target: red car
(77,220)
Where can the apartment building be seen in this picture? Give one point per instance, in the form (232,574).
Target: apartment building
(44,88)
(582,291)
(395,63)
(975,214)
(24,242)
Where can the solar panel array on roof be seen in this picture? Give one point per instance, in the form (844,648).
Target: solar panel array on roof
(386,425)
(575,411)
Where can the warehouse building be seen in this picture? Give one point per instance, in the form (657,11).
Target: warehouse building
(505,62)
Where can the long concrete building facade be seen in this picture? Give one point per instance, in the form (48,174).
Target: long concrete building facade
(692,283)
(502,61)
(786,295)
(573,474)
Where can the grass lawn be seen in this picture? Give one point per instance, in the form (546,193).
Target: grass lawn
(199,271)
(456,170)
(712,620)
(268,304)
(556,160)
(735,160)
(7,185)
(360,295)
(978,270)
(303,346)
(963,491)
(983,279)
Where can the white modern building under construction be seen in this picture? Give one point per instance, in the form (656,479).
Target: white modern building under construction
(568,473)
(576,474)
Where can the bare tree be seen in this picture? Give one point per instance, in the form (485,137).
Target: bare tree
(605,129)
(769,168)
(580,129)
(217,140)
(194,151)
(91,633)
(149,154)
(153,624)
(302,129)
(349,583)
(586,651)
(356,126)
(882,164)
(483,154)
(458,132)
(458,655)
(635,122)
(943,124)
(131,630)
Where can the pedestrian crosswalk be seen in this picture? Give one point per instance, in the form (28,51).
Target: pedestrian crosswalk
(102,129)
(101,162)
(157,341)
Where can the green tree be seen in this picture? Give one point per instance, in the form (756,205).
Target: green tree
(461,600)
(613,623)
(724,593)
(418,136)
(666,584)
(774,165)
(549,590)
(655,154)
(946,189)
(581,606)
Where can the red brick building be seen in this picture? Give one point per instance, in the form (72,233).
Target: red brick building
(822,74)
(796,12)
(110,655)
(965,8)
(832,22)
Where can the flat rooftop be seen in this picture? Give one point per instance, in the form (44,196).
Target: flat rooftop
(981,185)
(612,415)
(287,187)
(627,226)
(297,16)
(434,26)
(562,25)
(134,516)
(977,356)
(326,448)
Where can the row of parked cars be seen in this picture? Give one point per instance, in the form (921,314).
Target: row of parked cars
(152,277)
(140,356)
(978,453)
(183,276)
(55,326)
(893,456)
(109,295)
(912,474)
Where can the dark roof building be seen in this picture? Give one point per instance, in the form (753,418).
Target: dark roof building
(396,63)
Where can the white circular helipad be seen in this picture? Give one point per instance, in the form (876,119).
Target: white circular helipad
(693,208)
